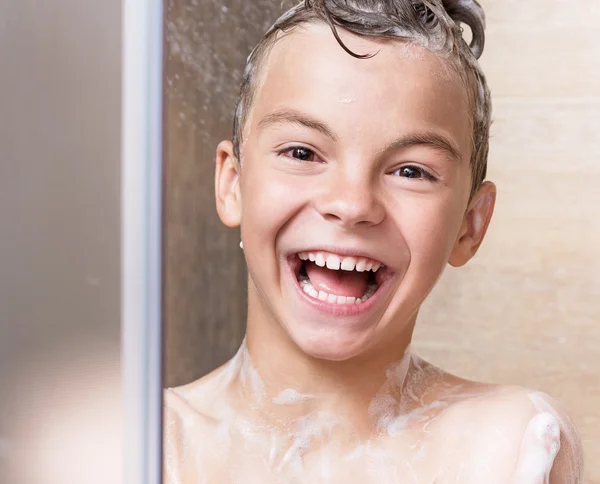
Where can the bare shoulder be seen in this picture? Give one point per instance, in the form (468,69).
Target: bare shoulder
(568,462)
(186,405)
(188,430)
(523,430)
(179,411)
(197,402)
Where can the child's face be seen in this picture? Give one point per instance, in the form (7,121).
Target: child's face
(352,157)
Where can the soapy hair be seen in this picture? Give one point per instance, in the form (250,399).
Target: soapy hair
(432,24)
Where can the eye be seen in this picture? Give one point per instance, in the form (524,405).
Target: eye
(300,153)
(411,171)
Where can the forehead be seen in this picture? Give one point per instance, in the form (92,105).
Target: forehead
(403,87)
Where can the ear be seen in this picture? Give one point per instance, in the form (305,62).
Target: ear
(227,187)
(475,223)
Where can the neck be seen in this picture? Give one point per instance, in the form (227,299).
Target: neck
(278,382)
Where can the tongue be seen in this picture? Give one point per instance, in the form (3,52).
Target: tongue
(340,283)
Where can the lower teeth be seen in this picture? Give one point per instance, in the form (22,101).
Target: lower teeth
(309,289)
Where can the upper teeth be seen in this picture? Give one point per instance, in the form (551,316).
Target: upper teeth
(336,262)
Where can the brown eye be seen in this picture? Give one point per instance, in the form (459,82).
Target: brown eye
(410,172)
(414,172)
(302,154)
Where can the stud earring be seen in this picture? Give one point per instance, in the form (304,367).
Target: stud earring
(241,245)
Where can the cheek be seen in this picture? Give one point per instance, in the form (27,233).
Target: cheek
(429,228)
(269,201)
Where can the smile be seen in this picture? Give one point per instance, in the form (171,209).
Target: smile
(338,280)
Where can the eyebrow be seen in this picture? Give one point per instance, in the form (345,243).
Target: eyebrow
(429,139)
(297,118)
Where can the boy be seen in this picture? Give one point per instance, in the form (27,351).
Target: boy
(356,173)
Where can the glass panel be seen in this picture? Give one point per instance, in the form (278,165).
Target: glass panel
(60,371)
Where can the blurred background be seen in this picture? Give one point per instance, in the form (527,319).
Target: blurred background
(60,111)
(80,237)
(525,311)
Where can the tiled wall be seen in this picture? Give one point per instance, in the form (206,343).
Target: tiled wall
(526,309)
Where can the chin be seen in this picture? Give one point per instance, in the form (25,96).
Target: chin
(330,345)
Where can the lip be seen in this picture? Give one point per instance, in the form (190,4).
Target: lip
(342,310)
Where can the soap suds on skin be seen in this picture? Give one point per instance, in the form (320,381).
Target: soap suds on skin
(407,412)
(249,377)
(539,448)
(290,396)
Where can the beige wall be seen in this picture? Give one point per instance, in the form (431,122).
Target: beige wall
(526,310)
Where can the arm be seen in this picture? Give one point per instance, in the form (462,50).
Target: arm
(568,464)
(551,451)
(171,443)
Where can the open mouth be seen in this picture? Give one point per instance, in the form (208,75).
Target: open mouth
(338,279)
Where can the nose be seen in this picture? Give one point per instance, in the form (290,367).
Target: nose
(350,200)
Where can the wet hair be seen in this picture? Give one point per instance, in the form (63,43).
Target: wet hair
(435,25)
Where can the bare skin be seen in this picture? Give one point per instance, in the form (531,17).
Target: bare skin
(425,426)
(366,160)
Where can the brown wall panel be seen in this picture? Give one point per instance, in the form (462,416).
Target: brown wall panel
(207,43)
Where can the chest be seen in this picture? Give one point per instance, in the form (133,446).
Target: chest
(245,456)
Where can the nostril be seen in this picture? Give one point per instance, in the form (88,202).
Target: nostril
(355,216)
(351,204)
(331,217)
